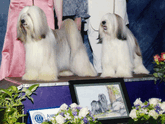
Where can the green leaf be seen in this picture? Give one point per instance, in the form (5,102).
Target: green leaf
(27,92)
(33,87)
(6,91)
(155,75)
(30,90)
(13,88)
(30,98)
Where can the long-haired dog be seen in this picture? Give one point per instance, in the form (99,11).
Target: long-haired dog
(99,106)
(49,52)
(121,53)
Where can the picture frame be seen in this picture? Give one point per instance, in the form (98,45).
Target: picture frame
(107,99)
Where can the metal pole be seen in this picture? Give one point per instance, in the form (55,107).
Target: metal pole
(113,6)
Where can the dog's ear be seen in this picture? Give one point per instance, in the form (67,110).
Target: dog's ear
(21,33)
(120,34)
(100,40)
(100,37)
(40,25)
(137,48)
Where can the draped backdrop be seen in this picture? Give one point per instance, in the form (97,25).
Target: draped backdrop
(146,21)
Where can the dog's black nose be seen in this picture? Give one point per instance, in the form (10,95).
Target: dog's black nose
(22,21)
(103,22)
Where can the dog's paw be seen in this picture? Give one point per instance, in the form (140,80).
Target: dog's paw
(66,73)
(47,77)
(29,76)
(124,74)
(108,74)
(141,70)
(90,74)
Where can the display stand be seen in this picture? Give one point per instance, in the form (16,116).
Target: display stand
(55,93)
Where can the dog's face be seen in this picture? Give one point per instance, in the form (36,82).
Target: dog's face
(107,24)
(102,98)
(32,23)
(26,22)
(112,25)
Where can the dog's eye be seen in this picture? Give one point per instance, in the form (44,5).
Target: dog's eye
(28,14)
(43,36)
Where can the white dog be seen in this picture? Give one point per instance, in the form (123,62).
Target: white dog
(49,52)
(121,53)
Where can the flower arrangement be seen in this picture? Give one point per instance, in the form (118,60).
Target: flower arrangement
(159,67)
(151,111)
(73,114)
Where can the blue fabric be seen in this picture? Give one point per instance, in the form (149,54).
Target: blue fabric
(4,6)
(145,90)
(77,8)
(88,48)
(147,22)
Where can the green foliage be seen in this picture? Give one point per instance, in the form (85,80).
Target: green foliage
(114,89)
(159,73)
(142,120)
(11,101)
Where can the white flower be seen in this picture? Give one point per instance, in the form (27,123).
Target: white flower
(60,119)
(83,112)
(67,116)
(154,101)
(143,111)
(162,105)
(133,114)
(138,102)
(73,105)
(153,114)
(161,112)
(63,107)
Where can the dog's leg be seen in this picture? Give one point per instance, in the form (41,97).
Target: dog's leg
(47,74)
(138,65)
(123,72)
(108,71)
(31,74)
(81,65)
(108,63)
(66,73)
(49,71)
(125,66)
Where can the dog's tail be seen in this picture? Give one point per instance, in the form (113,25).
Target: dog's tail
(137,55)
(80,61)
(72,33)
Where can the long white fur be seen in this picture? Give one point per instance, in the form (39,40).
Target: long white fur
(49,52)
(40,53)
(71,51)
(120,56)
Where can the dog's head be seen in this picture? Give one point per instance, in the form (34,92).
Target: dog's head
(112,25)
(32,22)
(102,98)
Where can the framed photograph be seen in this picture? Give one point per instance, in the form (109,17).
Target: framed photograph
(107,99)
